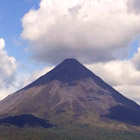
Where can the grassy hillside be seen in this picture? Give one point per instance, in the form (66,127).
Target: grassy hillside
(67,132)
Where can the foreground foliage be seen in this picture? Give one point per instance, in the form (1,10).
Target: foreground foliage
(66,132)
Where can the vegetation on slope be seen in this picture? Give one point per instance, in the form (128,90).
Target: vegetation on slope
(67,132)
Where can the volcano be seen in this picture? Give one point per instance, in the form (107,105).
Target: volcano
(71,93)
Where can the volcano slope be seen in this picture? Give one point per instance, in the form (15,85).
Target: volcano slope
(70,95)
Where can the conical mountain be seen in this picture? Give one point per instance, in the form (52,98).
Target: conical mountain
(71,92)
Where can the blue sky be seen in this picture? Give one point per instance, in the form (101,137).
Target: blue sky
(11,13)
(105,38)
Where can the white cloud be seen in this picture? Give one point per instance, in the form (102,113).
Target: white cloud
(8,68)
(29,78)
(134,6)
(117,72)
(90,30)
(136,59)
(130,91)
(2,43)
